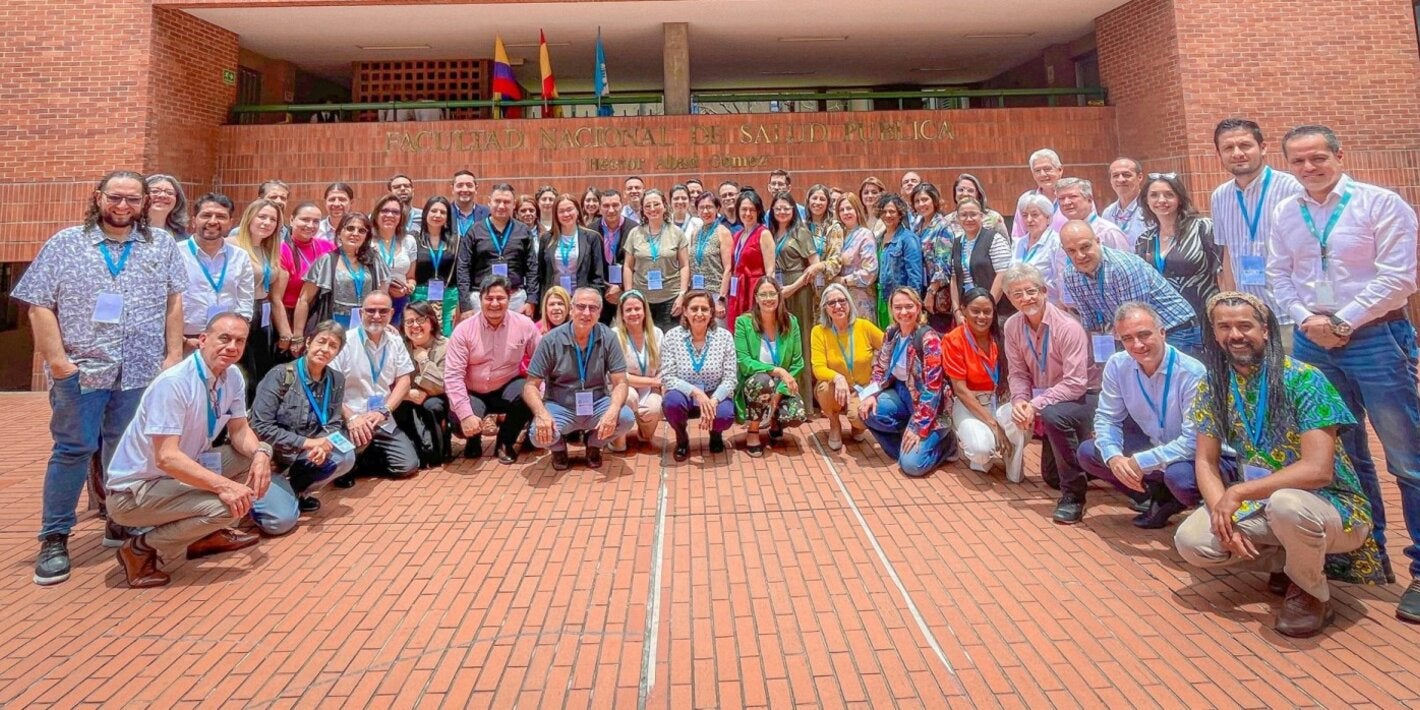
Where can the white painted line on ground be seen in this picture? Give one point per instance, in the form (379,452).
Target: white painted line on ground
(653,602)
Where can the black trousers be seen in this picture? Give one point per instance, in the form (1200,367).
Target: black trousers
(508,401)
(389,453)
(427,426)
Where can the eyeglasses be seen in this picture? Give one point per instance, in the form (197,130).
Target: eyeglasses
(115,200)
(836,303)
(586,307)
(377,311)
(162,192)
(418,321)
(1163,176)
(1024,293)
(391,212)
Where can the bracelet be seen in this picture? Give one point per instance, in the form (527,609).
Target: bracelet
(264,448)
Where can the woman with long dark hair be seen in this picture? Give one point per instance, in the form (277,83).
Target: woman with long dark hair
(899,253)
(348,273)
(935,235)
(435,263)
(167,205)
(396,249)
(770,354)
(424,413)
(1178,242)
(752,257)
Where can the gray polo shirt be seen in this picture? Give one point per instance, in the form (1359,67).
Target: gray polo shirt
(555,362)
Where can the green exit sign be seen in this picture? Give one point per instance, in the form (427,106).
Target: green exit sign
(229,77)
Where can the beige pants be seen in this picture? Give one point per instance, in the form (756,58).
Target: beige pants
(823,394)
(1294,533)
(178,513)
(646,405)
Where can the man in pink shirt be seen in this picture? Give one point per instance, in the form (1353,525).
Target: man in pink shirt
(482,370)
(1048,365)
(1077,201)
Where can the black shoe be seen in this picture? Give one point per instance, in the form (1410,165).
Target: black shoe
(594,457)
(473,448)
(1141,504)
(559,461)
(1409,607)
(507,453)
(346,481)
(114,534)
(52,567)
(307,504)
(1389,571)
(717,443)
(682,449)
(1070,510)
(1158,515)
(1278,583)
(776,433)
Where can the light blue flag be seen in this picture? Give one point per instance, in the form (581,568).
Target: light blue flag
(599,79)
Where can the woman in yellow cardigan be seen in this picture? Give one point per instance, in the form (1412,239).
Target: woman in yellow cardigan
(842,346)
(770,353)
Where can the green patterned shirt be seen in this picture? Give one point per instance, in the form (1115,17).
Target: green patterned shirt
(1317,405)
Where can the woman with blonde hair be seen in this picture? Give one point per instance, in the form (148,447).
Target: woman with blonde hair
(641,341)
(257,236)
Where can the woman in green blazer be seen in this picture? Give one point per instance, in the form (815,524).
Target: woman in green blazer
(770,352)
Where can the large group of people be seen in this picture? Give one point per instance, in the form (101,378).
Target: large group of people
(227,366)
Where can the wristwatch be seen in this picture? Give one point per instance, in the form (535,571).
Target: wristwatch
(264,448)
(1340,328)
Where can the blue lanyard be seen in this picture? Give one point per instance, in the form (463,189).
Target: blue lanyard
(437,256)
(1158,257)
(697,363)
(584,357)
(387,254)
(1027,255)
(115,269)
(1121,217)
(1254,222)
(640,354)
(321,407)
(653,241)
(848,355)
(702,240)
(1041,356)
(1163,407)
(565,245)
(968,244)
(217,283)
(374,370)
(356,277)
(992,367)
(610,240)
(1099,278)
(462,222)
(820,238)
(500,241)
(266,276)
(773,346)
(211,403)
(898,349)
(1325,236)
(1253,428)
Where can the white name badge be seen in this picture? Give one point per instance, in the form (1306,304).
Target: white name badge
(109,308)
(217,309)
(212,461)
(614,273)
(1103,346)
(1254,271)
(354,316)
(653,280)
(1325,294)
(585,404)
(436,290)
(779,277)
(566,282)
(734,285)
(697,281)
(1037,392)
(818,280)
(266,314)
(341,443)
(500,270)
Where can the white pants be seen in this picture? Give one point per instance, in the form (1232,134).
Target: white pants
(978,441)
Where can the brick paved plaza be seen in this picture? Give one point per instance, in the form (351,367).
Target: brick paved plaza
(806,578)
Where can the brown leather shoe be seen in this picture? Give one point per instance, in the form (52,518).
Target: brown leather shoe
(1303,615)
(594,457)
(224,540)
(140,566)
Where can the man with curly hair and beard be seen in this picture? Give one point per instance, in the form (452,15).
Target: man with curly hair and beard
(1292,504)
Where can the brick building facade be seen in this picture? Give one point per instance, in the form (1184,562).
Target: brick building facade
(143,87)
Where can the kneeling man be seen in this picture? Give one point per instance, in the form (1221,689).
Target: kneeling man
(1294,505)
(1144,440)
(584,368)
(166,474)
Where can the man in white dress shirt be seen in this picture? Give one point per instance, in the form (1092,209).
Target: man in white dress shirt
(1342,264)
(1126,176)
(377,371)
(1242,212)
(219,275)
(1144,442)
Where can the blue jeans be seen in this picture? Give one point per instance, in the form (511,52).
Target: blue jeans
(1189,340)
(78,422)
(890,420)
(565,421)
(276,512)
(1375,374)
(1179,477)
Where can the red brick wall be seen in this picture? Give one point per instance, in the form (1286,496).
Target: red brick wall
(993,144)
(1139,66)
(189,97)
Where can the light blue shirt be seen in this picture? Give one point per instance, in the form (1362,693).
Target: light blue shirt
(1120,396)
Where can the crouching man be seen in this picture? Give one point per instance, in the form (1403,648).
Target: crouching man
(168,476)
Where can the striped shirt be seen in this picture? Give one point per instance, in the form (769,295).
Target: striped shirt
(1122,277)
(1230,229)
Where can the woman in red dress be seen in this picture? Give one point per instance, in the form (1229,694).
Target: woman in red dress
(753,255)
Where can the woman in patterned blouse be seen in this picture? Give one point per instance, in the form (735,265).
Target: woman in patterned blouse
(698,374)
(907,405)
(859,257)
(936,238)
(1178,242)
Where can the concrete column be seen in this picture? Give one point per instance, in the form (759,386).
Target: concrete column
(676,66)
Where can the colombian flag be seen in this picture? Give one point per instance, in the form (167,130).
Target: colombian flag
(549,83)
(505,85)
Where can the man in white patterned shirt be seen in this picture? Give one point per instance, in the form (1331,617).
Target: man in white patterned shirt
(1242,212)
(1341,262)
(1126,176)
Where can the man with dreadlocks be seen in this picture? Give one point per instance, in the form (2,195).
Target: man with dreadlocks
(1292,503)
(105,304)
